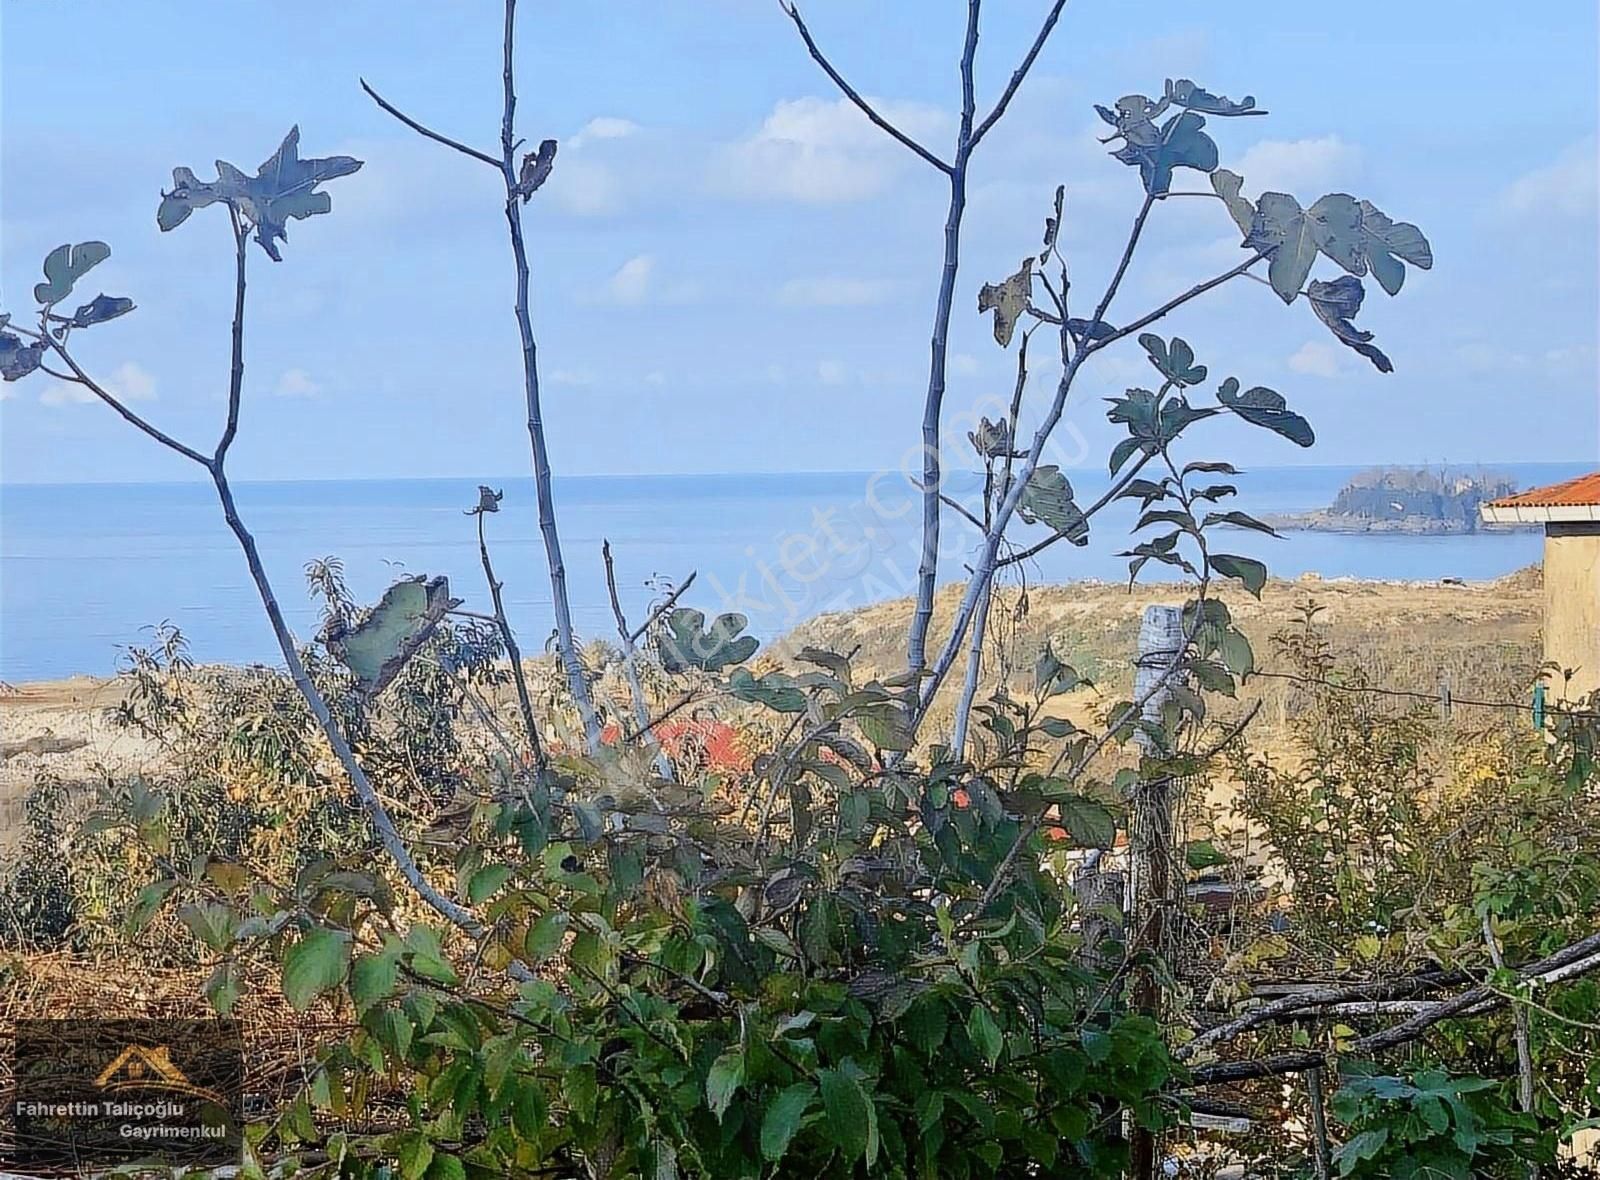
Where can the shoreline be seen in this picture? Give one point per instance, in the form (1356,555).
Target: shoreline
(49,689)
(1481,635)
(1406,526)
(76,686)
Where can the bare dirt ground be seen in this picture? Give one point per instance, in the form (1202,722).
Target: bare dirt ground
(61,728)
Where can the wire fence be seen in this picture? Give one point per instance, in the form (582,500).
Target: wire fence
(1444,697)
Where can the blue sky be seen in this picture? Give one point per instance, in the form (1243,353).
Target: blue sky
(733,271)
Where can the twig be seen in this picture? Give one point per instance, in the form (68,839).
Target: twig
(1127,257)
(630,666)
(513,653)
(969,685)
(672,710)
(484,157)
(1519,1014)
(655,615)
(1574,959)
(1319,1123)
(577,679)
(1111,493)
(866,108)
(111,400)
(1288,1006)
(980,622)
(241,242)
(1170,305)
(977,584)
(366,794)
(962,510)
(1020,73)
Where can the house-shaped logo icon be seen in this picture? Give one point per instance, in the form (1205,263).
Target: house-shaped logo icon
(144,1067)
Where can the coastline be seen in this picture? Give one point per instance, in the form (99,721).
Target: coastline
(1481,635)
(1405,526)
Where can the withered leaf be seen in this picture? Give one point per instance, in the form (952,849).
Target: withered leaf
(1008,300)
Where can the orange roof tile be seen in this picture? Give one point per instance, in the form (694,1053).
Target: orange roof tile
(1584,490)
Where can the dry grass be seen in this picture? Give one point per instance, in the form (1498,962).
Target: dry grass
(1483,637)
(278,1042)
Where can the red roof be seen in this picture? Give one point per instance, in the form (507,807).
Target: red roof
(1584,490)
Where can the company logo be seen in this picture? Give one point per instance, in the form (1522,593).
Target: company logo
(143,1068)
(119,1090)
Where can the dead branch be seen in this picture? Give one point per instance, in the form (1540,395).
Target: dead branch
(793,13)
(630,666)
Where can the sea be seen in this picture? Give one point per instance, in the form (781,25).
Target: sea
(87,570)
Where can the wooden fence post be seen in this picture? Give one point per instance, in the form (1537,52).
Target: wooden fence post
(1150,851)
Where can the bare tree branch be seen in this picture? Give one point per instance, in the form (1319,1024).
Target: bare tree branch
(630,666)
(962,510)
(89,383)
(1171,305)
(969,684)
(483,157)
(1110,494)
(241,241)
(577,678)
(1021,72)
(980,622)
(933,402)
(1519,1015)
(1574,959)
(513,653)
(655,615)
(1287,1006)
(866,108)
(1127,257)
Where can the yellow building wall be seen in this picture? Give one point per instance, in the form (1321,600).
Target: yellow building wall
(1572,604)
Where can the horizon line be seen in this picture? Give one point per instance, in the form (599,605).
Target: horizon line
(1365,464)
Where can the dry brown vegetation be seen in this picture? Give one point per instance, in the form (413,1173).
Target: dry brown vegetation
(1483,637)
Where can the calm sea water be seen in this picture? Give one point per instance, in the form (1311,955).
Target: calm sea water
(85,567)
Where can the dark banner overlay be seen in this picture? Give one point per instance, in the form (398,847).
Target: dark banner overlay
(91,1091)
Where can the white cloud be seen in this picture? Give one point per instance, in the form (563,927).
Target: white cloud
(1562,361)
(587,181)
(964,365)
(820,152)
(62,393)
(831,372)
(578,378)
(834,291)
(655,377)
(602,127)
(128,382)
(1299,166)
(1316,359)
(297,383)
(1570,361)
(631,283)
(1568,186)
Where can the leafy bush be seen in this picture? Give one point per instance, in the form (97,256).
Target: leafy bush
(869,966)
(1433,1125)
